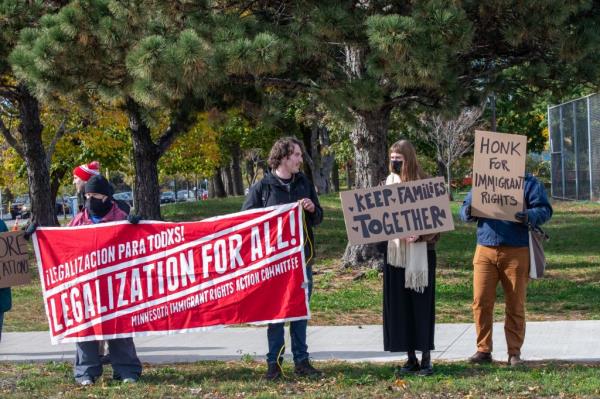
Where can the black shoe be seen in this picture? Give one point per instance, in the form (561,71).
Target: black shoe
(426,370)
(410,367)
(305,369)
(273,372)
(481,357)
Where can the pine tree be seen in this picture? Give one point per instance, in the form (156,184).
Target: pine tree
(17,101)
(141,56)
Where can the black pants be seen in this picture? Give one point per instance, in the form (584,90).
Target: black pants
(408,316)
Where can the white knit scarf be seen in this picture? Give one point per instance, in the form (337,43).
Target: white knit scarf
(410,256)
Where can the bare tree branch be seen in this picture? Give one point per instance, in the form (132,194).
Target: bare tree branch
(452,138)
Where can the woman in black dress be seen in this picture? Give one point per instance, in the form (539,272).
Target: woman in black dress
(409,279)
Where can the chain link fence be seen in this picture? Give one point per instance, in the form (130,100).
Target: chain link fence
(575,149)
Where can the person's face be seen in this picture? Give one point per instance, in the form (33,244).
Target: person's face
(98,196)
(293,162)
(79,184)
(394,156)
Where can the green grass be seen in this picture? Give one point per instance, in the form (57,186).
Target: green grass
(243,379)
(571,289)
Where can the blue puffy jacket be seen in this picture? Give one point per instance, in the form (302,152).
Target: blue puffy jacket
(493,232)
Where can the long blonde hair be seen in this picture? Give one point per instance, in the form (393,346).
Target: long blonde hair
(411,170)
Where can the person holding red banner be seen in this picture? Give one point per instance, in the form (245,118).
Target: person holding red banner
(5,293)
(409,279)
(283,185)
(100,208)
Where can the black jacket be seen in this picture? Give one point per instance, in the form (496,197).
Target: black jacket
(270,192)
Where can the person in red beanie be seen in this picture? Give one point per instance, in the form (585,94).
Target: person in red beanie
(82,173)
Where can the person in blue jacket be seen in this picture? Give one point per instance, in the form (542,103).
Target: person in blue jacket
(5,294)
(502,255)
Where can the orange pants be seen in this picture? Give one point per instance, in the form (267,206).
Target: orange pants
(510,266)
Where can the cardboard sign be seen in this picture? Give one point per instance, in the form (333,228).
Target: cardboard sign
(397,210)
(14,260)
(498,175)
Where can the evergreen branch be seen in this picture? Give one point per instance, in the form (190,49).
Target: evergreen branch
(406,99)
(11,140)
(287,84)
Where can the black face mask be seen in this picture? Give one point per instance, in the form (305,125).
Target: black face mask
(397,167)
(97,207)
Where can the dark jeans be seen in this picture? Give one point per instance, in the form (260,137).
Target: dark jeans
(1,322)
(275,334)
(123,359)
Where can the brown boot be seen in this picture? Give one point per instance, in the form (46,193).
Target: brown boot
(481,358)
(515,360)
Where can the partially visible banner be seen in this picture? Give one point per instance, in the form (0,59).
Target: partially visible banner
(115,280)
(14,259)
(397,210)
(498,175)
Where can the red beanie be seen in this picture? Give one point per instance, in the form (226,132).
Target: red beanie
(84,172)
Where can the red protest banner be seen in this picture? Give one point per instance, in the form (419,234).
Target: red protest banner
(116,280)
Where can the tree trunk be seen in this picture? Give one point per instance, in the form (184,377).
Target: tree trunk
(449,180)
(55,179)
(321,165)
(250,171)
(219,186)
(236,170)
(145,157)
(369,138)
(349,174)
(335,176)
(228,179)
(34,154)
(211,188)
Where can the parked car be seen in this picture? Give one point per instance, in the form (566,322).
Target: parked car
(167,197)
(16,207)
(185,195)
(126,196)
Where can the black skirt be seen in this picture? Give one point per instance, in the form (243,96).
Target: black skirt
(408,316)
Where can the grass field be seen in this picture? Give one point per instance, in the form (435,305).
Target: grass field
(571,289)
(243,379)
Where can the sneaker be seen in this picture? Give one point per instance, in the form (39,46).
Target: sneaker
(481,358)
(85,382)
(410,367)
(129,380)
(273,372)
(515,360)
(305,369)
(426,370)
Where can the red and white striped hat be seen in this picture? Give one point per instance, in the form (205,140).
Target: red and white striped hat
(84,172)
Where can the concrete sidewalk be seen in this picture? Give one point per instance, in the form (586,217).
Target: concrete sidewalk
(560,340)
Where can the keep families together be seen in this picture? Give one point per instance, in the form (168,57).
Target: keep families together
(409,272)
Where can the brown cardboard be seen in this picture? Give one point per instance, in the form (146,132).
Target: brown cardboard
(498,175)
(397,210)
(14,259)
